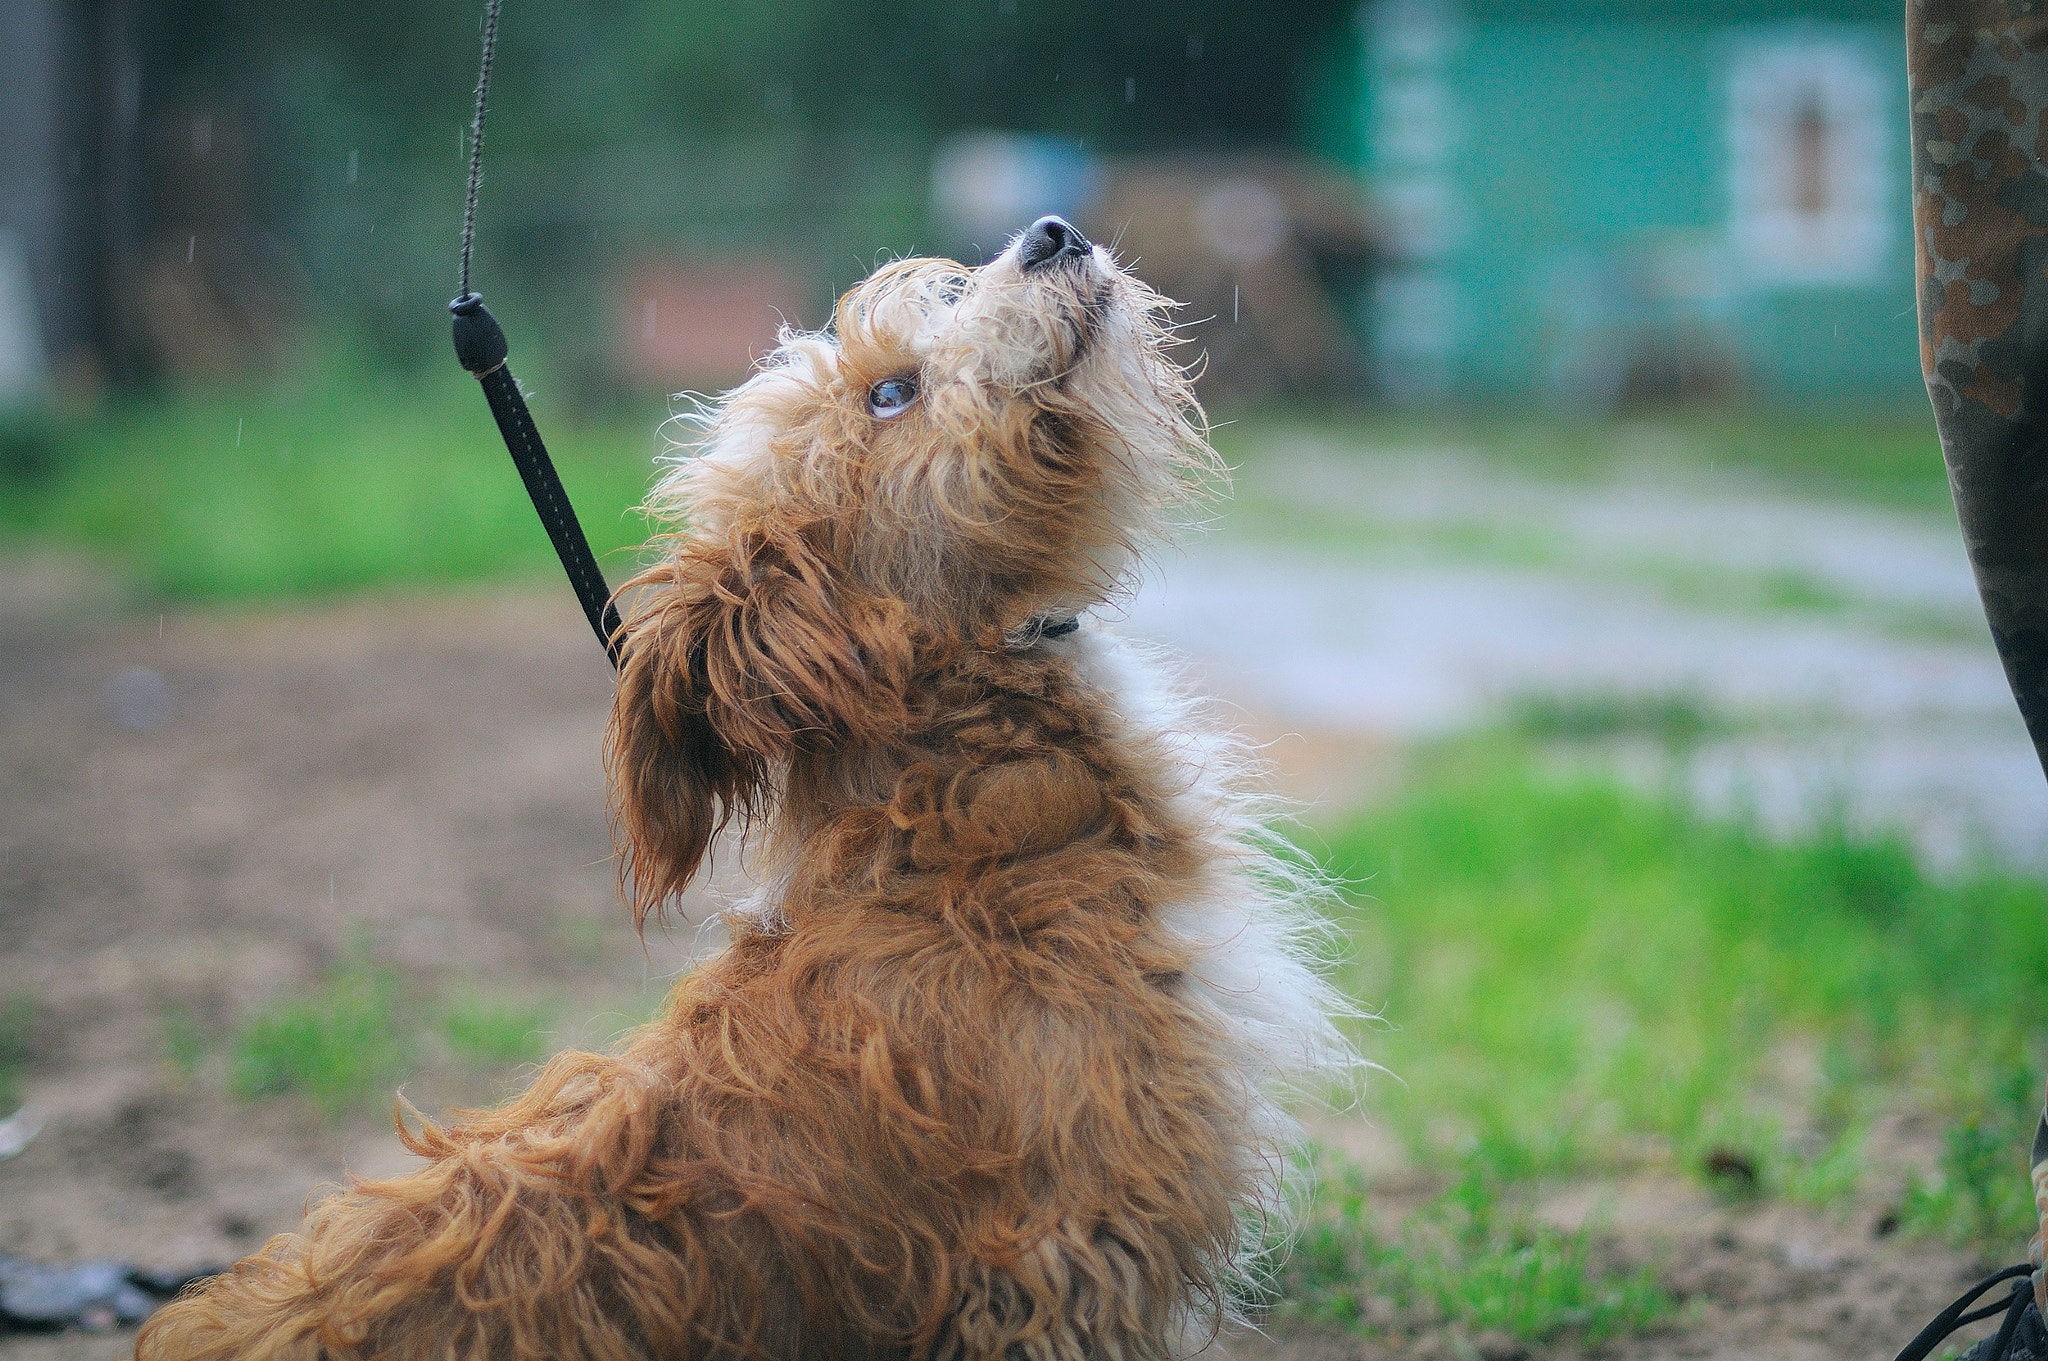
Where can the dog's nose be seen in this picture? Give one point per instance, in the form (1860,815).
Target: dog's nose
(1050,239)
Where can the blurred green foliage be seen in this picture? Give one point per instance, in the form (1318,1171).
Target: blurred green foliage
(17,1046)
(802,130)
(496,1030)
(354,478)
(1981,1195)
(1880,457)
(354,475)
(1673,719)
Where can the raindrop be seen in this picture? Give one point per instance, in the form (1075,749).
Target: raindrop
(352,167)
(140,698)
(191,245)
(1130,89)
(1233,304)
(648,327)
(238,432)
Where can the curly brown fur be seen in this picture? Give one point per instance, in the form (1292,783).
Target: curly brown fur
(988,1069)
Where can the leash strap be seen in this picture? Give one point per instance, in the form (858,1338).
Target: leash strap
(481,348)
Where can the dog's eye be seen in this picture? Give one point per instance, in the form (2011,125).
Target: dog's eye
(891,397)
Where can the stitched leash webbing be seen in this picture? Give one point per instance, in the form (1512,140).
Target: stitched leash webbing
(551,503)
(481,347)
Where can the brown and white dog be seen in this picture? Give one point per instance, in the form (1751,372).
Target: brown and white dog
(989,1069)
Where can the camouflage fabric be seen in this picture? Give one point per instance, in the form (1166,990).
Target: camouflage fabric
(1979,91)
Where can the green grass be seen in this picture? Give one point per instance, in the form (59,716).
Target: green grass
(496,1032)
(337,1044)
(17,1047)
(1575,976)
(1980,1195)
(1673,719)
(350,479)
(184,1041)
(345,1043)
(1472,1256)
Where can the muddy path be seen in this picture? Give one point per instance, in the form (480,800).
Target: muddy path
(203,812)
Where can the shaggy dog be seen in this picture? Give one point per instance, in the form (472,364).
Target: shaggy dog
(988,1068)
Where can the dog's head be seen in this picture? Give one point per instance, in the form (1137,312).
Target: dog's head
(967,450)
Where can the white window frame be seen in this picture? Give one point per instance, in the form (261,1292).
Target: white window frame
(1840,87)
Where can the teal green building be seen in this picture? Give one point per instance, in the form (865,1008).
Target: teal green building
(1597,204)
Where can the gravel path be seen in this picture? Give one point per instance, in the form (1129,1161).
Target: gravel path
(1393,596)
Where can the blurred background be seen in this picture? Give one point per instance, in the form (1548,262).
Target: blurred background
(1590,578)
(1519,202)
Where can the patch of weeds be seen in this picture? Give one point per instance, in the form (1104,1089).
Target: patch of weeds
(336,1043)
(1981,1196)
(1676,720)
(184,1041)
(495,1032)
(1889,458)
(1828,1172)
(587,941)
(17,1047)
(1469,1257)
(1789,589)
(1782,589)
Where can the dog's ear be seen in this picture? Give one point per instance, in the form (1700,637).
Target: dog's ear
(743,653)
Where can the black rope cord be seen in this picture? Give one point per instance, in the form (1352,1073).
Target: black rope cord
(476,140)
(481,347)
(1960,1314)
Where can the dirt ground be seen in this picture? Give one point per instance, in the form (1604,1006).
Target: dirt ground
(419,778)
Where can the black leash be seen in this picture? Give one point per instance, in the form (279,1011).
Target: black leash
(481,348)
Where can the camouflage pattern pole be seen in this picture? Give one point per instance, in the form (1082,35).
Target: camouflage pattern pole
(1978,76)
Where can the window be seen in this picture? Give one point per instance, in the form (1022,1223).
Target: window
(1809,152)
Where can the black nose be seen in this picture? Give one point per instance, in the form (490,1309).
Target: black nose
(1050,239)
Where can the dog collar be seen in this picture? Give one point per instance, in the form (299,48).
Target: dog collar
(1040,627)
